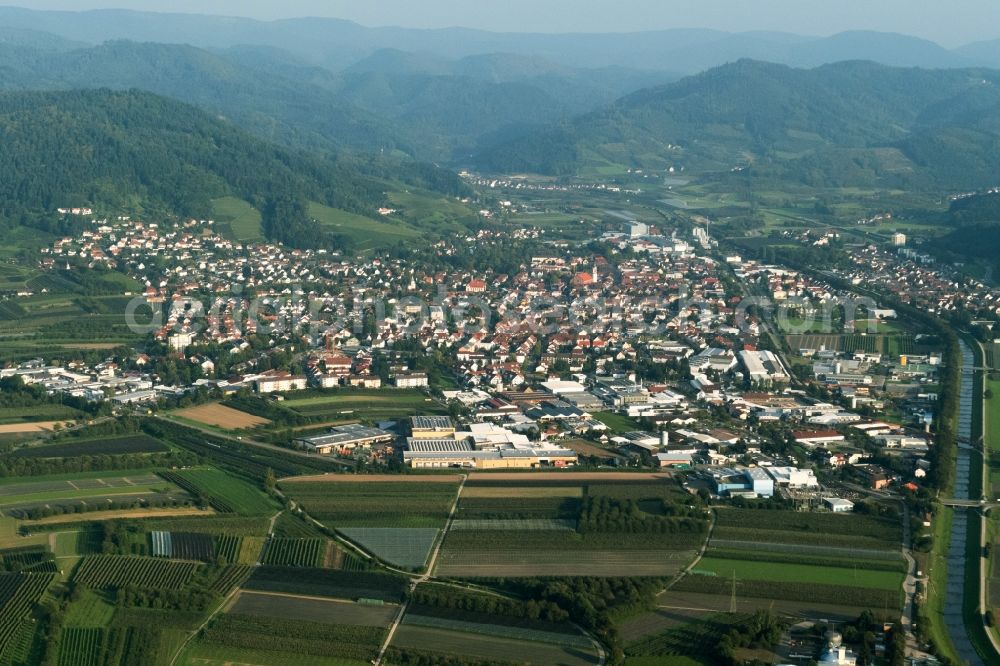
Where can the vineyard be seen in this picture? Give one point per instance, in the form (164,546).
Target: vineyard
(18,595)
(116,571)
(183,545)
(295,552)
(231,577)
(80,647)
(261,636)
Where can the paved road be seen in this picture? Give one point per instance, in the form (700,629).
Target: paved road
(954,598)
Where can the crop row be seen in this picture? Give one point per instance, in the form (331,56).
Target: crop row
(898,565)
(825,524)
(328,582)
(18,595)
(80,647)
(294,636)
(230,577)
(294,552)
(842,595)
(115,571)
(227,547)
(98,447)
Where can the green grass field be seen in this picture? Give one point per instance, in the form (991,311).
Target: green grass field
(237,219)
(225,492)
(617,423)
(365,233)
(38,413)
(92,609)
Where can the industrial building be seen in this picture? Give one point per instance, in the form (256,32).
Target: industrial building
(763,366)
(345,438)
(431,427)
(742,481)
(485,446)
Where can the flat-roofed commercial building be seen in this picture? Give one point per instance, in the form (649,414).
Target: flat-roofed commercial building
(492,449)
(345,438)
(431,427)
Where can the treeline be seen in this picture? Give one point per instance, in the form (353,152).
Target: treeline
(611,514)
(440,597)
(595,603)
(410,657)
(105,504)
(760,631)
(15,466)
(191,598)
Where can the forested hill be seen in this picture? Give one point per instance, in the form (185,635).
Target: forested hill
(141,152)
(851,123)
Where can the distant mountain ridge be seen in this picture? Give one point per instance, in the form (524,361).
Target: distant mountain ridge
(338,43)
(842,124)
(428,108)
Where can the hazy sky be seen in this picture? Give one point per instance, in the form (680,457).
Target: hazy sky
(949,22)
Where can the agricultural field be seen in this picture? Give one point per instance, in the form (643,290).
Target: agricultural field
(846,560)
(236,219)
(222,491)
(402,546)
(365,233)
(80,646)
(326,611)
(509,525)
(182,545)
(587,449)
(415,636)
(337,584)
(112,571)
(220,416)
(892,345)
(37,413)
(19,592)
(295,552)
(86,490)
(108,446)
(30,427)
(350,501)
(372,404)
